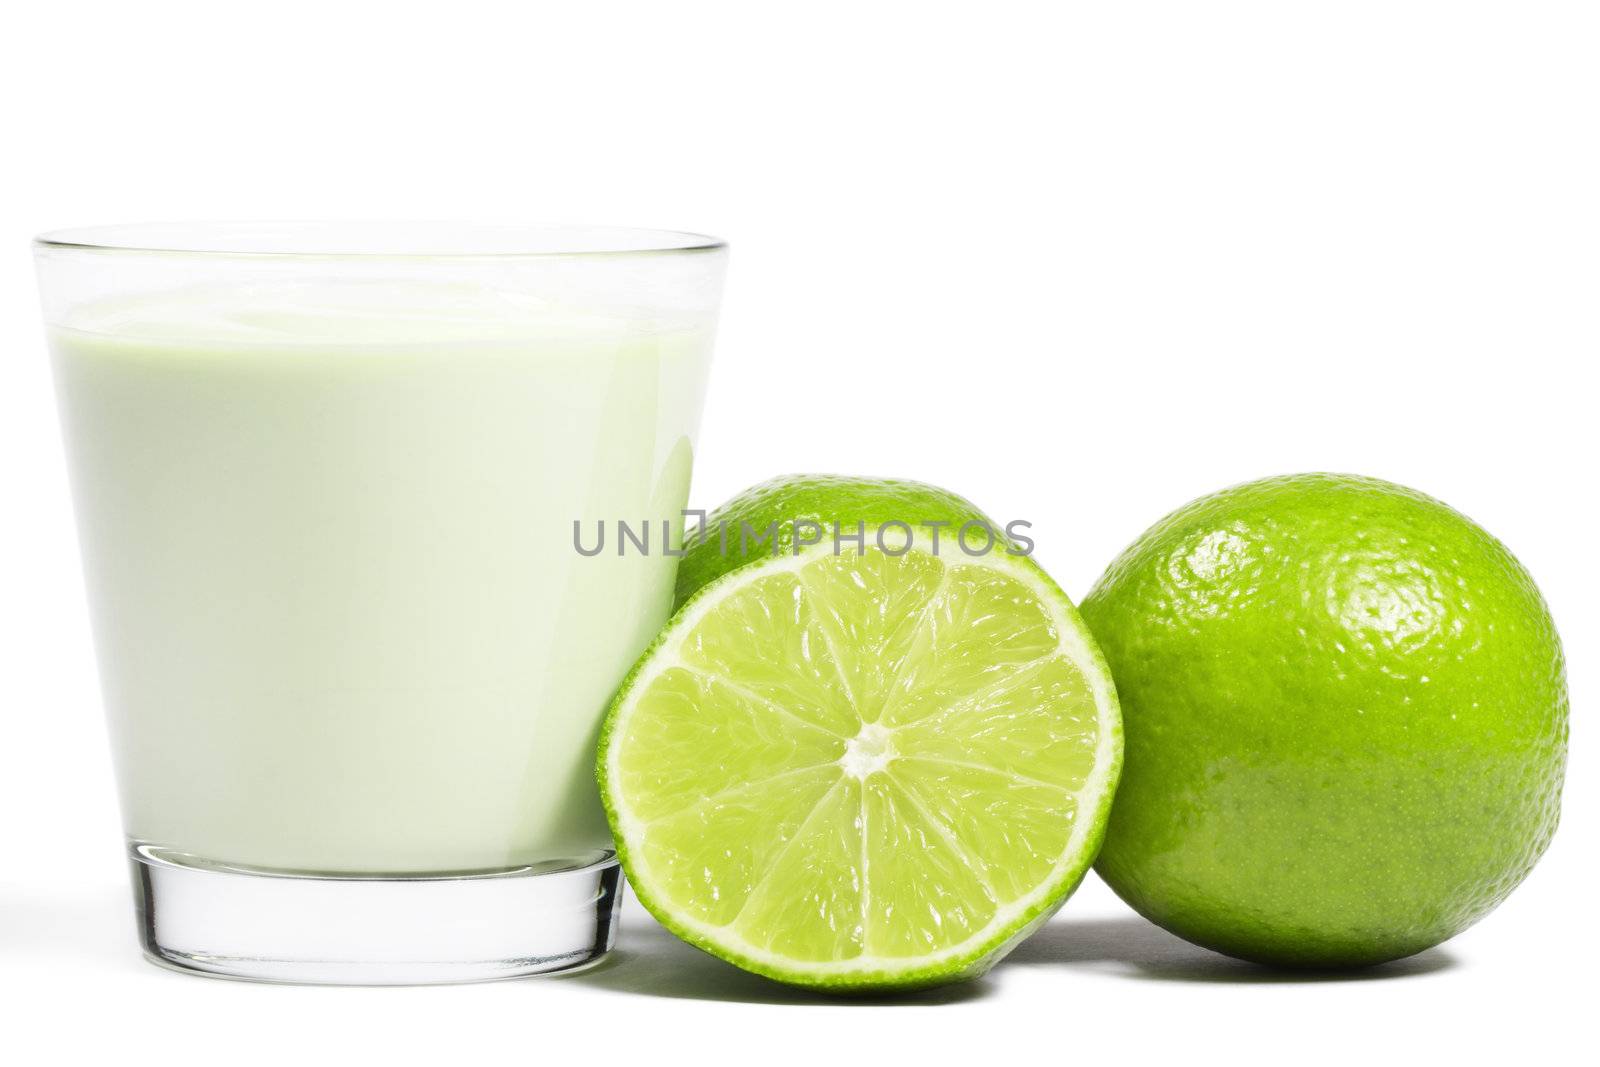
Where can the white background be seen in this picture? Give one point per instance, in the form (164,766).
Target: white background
(1078,262)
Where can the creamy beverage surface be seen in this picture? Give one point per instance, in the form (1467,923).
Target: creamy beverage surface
(340,617)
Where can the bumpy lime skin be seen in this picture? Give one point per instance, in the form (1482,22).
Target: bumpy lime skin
(729,537)
(1345,714)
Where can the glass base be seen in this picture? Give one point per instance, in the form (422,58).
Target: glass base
(271,926)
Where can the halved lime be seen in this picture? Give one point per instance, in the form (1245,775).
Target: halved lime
(863,770)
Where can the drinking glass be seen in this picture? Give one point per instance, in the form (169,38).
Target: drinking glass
(329,481)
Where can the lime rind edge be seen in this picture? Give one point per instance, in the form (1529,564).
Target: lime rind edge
(1011,924)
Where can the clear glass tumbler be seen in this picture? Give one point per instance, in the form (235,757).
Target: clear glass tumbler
(327,479)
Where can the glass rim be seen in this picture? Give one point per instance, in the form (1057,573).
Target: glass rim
(374,240)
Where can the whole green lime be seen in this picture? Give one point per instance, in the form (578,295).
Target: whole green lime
(1345,715)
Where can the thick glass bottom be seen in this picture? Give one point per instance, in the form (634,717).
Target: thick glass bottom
(271,926)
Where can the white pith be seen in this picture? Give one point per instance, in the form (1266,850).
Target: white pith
(870,751)
(867,752)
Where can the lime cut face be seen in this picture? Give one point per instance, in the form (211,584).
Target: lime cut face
(863,770)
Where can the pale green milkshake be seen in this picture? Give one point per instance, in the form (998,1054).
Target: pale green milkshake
(328,531)
(341,619)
